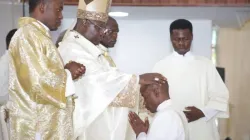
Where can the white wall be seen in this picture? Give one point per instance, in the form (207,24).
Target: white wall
(9,13)
(141,43)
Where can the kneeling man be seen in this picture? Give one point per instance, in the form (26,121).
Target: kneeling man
(167,124)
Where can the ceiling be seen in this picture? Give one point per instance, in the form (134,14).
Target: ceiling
(226,17)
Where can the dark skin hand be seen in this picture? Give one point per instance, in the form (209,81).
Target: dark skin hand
(137,124)
(193,114)
(76,69)
(149,78)
(6,115)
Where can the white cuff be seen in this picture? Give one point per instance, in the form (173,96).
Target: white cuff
(142,136)
(70,87)
(209,113)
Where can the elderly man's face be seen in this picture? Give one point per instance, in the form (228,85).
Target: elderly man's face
(111,33)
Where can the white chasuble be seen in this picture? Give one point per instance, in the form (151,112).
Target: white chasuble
(105,95)
(194,81)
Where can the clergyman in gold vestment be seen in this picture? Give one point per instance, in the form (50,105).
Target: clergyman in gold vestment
(41,101)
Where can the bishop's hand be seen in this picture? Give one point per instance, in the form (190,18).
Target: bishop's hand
(137,124)
(193,114)
(76,69)
(151,78)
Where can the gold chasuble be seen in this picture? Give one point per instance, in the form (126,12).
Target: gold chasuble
(37,81)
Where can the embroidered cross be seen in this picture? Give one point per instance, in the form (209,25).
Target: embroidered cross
(88,1)
(76,36)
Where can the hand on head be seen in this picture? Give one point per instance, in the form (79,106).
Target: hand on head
(151,78)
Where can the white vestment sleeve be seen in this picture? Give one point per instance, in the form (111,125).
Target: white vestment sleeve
(142,136)
(217,93)
(70,87)
(209,113)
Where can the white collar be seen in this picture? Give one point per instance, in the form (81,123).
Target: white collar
(102,48)
(164,105)
(47,29)
(187,56)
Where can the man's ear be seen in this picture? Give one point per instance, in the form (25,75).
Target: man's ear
(42,6)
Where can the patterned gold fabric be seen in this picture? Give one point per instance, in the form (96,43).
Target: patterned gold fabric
(94,9)
(142,108)
(37,86)
(127,97)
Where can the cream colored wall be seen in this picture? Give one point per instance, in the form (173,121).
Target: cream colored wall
(234,54)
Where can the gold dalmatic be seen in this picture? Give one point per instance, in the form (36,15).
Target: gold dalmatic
(37,82)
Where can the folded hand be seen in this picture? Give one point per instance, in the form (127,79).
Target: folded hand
(76,69)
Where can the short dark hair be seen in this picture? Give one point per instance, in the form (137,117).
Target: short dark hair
(9,36)
(181,24)
(34,3)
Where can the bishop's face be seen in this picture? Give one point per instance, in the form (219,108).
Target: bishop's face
(95,31)
(181,40)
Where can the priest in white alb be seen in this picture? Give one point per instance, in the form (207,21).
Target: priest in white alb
(105,94)
(195,85)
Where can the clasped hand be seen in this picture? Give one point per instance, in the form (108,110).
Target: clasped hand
(76,69)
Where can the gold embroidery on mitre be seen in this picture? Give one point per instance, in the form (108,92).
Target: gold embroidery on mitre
(94,9)
(92,15)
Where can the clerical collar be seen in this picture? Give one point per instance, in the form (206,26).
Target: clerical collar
(187,56)
(164,105)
